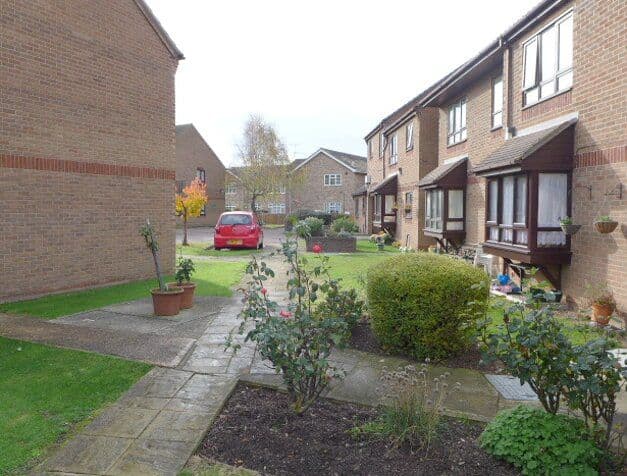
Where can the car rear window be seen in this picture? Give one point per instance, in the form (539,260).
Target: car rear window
(236,220)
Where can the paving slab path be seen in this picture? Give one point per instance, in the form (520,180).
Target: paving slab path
(156,426)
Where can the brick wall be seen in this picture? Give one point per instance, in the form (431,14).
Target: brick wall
(87,106)
(192,153)
(314,195)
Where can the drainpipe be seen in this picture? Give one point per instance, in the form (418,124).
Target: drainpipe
(510,130)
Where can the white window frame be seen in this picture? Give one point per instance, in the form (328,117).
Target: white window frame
(276,208)
(381,144)
(393,149)
(497,114)
(201,174)
(332,180)
(457,132)
(534,91)
(333,207)
(409,136)
(409,200)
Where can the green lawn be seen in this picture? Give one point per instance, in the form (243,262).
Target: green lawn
(201,249)
(44,391)
(212,278)
(351,268)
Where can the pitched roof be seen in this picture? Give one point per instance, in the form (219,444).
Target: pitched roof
(235,171)
(440,172)
(360,191)
(159,30)
(515,150)
(181,128)
(388,186)
(355,163)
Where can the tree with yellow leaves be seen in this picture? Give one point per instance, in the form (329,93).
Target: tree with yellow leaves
(191,202)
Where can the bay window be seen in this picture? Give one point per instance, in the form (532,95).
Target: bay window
(377,208)
(548,61)
(457,122)
(507,209)
(433,210)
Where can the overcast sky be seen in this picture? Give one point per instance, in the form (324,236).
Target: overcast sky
(323,72)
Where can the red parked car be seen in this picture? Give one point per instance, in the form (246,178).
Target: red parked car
(238,230)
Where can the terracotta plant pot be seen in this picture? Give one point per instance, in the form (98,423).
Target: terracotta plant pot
(166,303)
(601,313)
(187,299)
(570,229)
(605,226)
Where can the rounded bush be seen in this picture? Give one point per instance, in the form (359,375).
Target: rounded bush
(540,443)
(344,224)
(424,304)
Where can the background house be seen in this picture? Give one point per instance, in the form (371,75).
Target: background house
(86,144)
(326,181)
(196,159)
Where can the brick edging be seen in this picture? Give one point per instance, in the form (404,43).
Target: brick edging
(78,167)
(613,155)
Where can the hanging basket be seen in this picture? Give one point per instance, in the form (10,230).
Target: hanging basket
(570,229)
(605,226)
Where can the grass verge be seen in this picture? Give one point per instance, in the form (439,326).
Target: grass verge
(201,249)
(45,391)
(212,279)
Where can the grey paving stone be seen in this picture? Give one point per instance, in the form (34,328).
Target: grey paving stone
(88,454)
(121,421)
(160,383)
(153,457)
(511,389)
(203,306)
(177,426)
(154,403)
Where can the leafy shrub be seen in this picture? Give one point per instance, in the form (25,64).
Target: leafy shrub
(299,337)
(419,303)
(534,347)
(327,218)
(310,226)
(344,224)
(415,403)
(541,443)
(184,270)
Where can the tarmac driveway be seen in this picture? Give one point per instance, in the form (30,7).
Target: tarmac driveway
(271,236)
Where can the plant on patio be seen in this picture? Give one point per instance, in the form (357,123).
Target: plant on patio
(298,338)
(418,304)
(190,203)
(310,226)
(541,443)
(166,301)
(414,406)
(602,301)
(183,276)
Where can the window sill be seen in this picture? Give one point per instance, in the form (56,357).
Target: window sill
(456,143)
(497,128)
(548,98)
(410,149)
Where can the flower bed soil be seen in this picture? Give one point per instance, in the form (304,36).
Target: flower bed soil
(362,338)
(257,430)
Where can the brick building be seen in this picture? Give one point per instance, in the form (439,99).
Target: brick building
(326,181)
(196,159)
(531,130)
(86,144)
(402,148)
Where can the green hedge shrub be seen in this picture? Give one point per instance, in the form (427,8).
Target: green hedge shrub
(541,443)
(425,305)
(344,224)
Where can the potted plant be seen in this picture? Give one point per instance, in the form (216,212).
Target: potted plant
(602,302)
(166,301)
(568,227)
(184,270)
(605,224)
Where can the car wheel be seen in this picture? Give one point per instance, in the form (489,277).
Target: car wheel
(261,245)
(217,248)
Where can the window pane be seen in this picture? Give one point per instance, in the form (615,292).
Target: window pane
(548,66)
(454,225)
(565,81)
(493,195)
(531,96)
(521,237)
(497,119)
(508,201)
(547,89)
(531,50)
(497,95)
(456,204)
(566,44)
(551,238)
(494,233)
(458,117)
(451,119)
(521,199)
(463,115)
(552,195)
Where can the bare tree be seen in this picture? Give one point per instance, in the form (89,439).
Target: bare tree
(266,168)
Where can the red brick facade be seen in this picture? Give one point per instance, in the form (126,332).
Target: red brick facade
(86,144)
